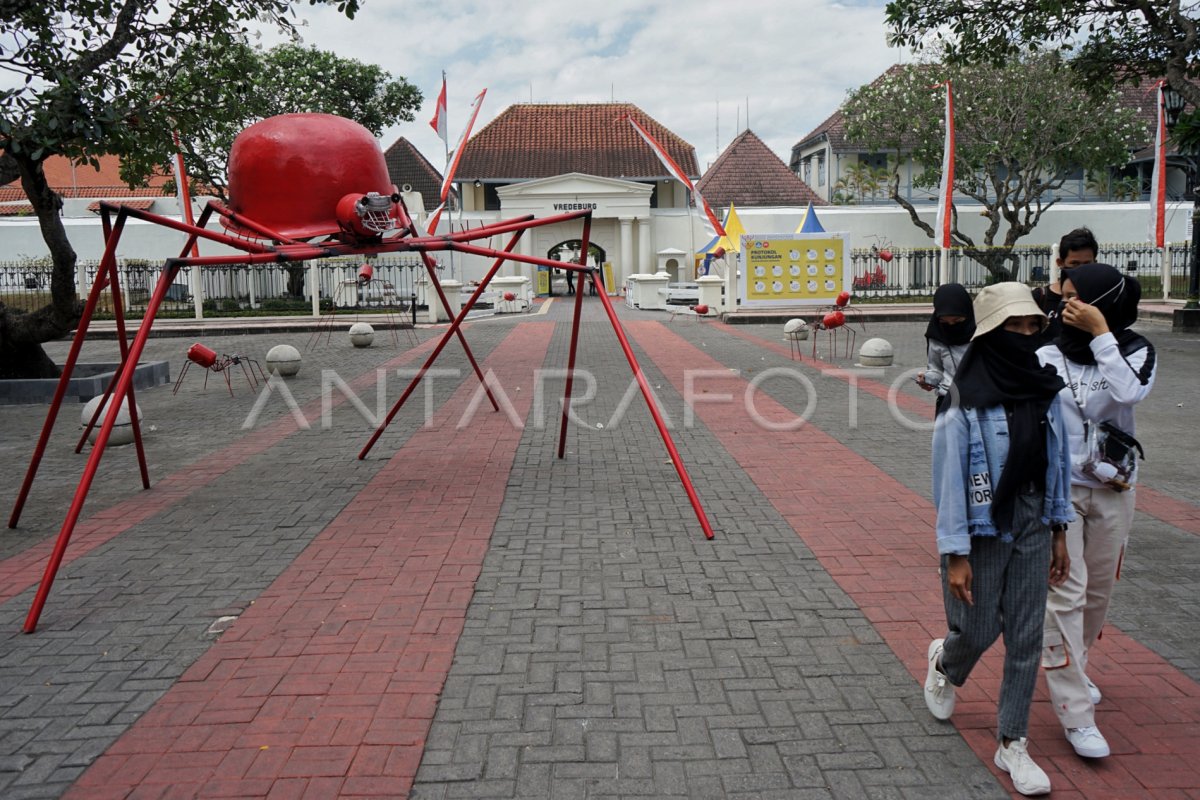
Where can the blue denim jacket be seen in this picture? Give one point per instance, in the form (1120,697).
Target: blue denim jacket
(970,446)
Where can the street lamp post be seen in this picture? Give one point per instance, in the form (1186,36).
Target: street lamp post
(1173,103)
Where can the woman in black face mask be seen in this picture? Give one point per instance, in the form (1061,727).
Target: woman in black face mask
(946,338)
(1108,370)
(1000,483)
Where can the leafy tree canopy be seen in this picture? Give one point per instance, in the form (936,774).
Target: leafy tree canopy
(1020,130)
(227,88)
(68,89)
(1106,40)
(73,62)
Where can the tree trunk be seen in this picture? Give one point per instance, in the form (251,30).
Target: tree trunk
(21,355)
(21,335)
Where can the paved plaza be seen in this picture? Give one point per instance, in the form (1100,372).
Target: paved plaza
(465,615)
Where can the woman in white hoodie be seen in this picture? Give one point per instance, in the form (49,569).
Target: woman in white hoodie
(1108,370)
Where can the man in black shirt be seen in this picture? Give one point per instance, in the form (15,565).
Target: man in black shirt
(1076,248)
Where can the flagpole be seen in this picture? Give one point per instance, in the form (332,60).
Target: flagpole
(946,193)
(1158,191)
(446,145)
(1165,266)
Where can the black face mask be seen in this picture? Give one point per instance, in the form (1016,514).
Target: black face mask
(1020,341)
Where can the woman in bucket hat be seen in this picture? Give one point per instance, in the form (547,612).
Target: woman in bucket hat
(1001,485)
(1108,369)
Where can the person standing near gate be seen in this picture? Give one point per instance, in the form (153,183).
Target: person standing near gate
(1075,248)
(1001,487)
(1108,370)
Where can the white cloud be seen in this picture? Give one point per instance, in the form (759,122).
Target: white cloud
(687,64)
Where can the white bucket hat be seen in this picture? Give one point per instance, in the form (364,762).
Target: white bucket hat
(998,302)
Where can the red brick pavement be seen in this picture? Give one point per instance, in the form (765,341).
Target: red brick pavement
(327,685)
(1150,501)
(23,570)
(884,555)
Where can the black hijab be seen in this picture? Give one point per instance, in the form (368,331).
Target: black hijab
(951,300)
(1116,296)
(1002,368)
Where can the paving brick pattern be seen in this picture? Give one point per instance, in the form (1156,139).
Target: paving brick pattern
(611,651)
(127,618)
(586,640)
(327,684)
(1155,598)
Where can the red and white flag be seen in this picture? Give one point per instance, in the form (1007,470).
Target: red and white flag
(448,179)
(946,191)
(675,170)
(1158,180)
(438,123)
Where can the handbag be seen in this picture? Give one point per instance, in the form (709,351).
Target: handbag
(1112,454)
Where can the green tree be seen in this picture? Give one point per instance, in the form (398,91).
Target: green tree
(235,86)
(1106,40)
(861,182)
(1018,136)
(1103,183)
(70,66)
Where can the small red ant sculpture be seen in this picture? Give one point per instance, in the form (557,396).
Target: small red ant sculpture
(208,360)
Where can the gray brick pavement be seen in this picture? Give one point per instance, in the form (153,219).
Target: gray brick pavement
(610,651)
(1155,600)
(126,620)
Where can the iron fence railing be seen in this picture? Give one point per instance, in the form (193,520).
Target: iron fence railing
(231,289)
(240,290)
(914,272)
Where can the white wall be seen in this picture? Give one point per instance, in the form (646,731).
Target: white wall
(1112,223)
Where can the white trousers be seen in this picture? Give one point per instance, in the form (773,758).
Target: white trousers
(1075,611)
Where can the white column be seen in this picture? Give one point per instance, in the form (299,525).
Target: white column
(315,287)
(625,266)
(452,288)
(904,259)
(525,248)
(197,291)
(645,262)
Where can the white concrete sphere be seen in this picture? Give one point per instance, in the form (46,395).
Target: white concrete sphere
(876,353)
(122,432)
(283,359)
(796,329)
(361,334)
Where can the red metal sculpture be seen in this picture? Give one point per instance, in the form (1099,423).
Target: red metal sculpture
(301,187)
(207,359)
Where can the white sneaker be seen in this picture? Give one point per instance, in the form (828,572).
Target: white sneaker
(1093,691)
(1027,777)
(939,691)
(1088,742)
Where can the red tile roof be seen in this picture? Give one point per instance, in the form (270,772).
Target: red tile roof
(833,129)
(140,205)
(406,165)
(16,210)
(71,179)
(747,174)
(543,140)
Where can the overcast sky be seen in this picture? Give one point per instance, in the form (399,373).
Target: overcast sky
(697,66)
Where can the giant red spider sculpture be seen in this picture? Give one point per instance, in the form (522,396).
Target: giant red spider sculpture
(302,187)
